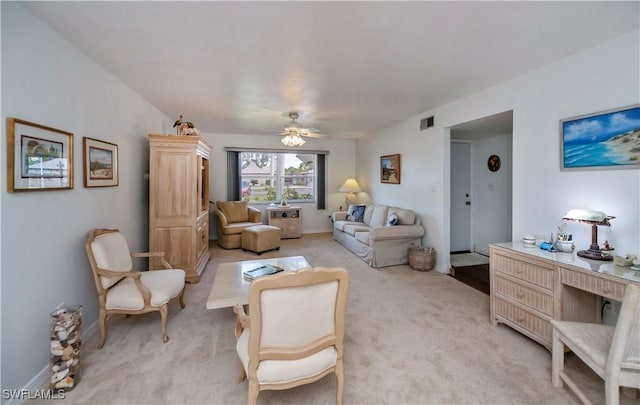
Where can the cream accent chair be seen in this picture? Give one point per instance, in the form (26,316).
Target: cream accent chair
(612,352)
(123,291)
(231,218)
(295,330)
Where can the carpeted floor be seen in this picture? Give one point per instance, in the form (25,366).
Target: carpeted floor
(412,338)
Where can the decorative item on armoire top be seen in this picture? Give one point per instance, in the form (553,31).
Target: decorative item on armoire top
(390,169)
(608,139)
(493,163)
(38,157)
(100,163)
(185,127)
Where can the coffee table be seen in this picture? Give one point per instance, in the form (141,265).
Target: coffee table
(230,288)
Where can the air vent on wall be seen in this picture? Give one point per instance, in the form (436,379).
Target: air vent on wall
(426,123)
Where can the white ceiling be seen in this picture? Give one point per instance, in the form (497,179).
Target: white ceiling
(350,68)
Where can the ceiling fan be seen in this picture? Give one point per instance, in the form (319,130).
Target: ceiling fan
(293,131)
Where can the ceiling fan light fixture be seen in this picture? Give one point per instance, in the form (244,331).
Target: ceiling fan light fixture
(292,139)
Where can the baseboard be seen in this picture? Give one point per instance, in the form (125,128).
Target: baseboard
(40,383)
(481,249)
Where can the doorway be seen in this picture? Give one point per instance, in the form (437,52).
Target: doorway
(480,197)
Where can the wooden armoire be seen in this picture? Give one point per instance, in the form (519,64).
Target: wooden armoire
(179,202)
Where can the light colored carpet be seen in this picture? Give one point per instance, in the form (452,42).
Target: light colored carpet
(412,338)
(468,259)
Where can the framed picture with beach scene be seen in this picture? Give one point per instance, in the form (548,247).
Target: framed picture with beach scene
(604,140)
(100,163)
(390,169)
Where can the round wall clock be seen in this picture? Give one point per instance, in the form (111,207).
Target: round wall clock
(493,163)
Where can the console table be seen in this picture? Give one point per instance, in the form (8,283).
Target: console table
(531,286)
(287,218)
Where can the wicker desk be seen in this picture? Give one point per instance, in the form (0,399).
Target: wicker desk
(531,286)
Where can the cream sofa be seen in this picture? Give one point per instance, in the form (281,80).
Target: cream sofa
(379,245)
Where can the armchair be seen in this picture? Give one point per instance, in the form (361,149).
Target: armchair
(295,333)
(231,218)
(123,291)
(611,352)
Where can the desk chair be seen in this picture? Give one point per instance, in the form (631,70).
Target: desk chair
(612,352)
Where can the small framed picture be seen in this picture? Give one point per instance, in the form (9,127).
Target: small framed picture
(390,169)
(100,163)
(604,140)
(38,157)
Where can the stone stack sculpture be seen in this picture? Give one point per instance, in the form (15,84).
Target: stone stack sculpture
(66,338)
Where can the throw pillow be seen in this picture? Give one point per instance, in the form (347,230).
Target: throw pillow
(392,220)
(355,213)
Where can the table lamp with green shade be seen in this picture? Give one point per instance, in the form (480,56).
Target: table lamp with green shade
(595,219)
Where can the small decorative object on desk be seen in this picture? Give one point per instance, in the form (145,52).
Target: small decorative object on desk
(624,261)
(422,258)
(66,338)
(528,241)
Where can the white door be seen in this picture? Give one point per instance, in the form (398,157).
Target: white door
(460,226)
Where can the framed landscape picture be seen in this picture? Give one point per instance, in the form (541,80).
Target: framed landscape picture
(604,140)
(38,157)
(390,169)
(100,163)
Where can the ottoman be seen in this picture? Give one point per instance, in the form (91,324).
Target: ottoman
(260,238)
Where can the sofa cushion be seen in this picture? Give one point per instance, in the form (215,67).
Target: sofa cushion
(339,225)
(379,215)
(362,237)
(351,229)
(355,213)
(235,211)
(368,212)
(405,217)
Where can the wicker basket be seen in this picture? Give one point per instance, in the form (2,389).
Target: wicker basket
(422,258)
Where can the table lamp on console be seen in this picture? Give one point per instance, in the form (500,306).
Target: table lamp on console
(595,219)
(351,187)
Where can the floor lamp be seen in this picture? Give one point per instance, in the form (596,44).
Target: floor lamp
(351,187)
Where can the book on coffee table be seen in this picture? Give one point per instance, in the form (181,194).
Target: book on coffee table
(264,270)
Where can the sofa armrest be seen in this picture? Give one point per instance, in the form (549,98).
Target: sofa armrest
(255,215)
(396,232)
(339,216)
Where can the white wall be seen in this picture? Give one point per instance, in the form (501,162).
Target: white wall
(599,78)
(340,166)
(48,81)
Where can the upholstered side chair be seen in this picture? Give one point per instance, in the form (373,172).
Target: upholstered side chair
(124,291)
(294,333)
(611,352)
(231,218)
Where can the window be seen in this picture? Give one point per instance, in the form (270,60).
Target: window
(266,176)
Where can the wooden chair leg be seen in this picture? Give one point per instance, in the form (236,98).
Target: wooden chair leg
(339,382)
(253,393)
(182,299)
(102,323)
(557,359)
(163,320)
(612,392)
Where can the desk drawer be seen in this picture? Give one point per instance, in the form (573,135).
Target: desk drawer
(535,299)
(532,273)
(593,283)
(525,321)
